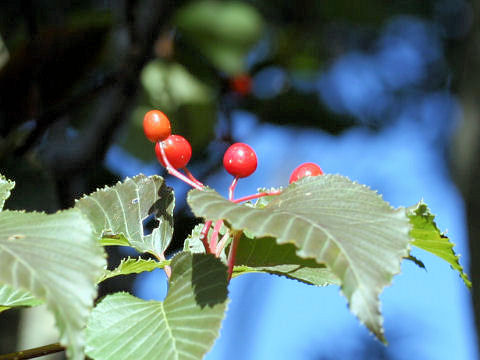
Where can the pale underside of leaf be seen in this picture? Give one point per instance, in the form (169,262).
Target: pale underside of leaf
(337,222)
(117,213)
(184,326)
(133,266)
(11,297)
(5,187)
(426,235)
(55,258)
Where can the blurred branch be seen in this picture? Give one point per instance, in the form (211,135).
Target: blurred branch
(50,116)
(466,153)
(28,10)
(91,145)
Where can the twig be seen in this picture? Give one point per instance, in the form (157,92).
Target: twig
(33,353)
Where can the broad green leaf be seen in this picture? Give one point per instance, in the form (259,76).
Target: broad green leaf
(426,235)
(5,187)
(56,258)
(184,326)
(265,255)
(10,297)
(133,266)
(337,222)
(117,213)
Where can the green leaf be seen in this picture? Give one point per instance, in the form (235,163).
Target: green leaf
(10,297)
(117,213)
(265,255)
(184,326)
(337,222)
(426,235)
(56,258)
(5,187)
(133,266)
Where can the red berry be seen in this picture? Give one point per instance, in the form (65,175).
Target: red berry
(241,84)
(305,169)
(156,126)
(240,160)
(177,149)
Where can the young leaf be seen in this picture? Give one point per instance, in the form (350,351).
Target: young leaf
(117,213)
(5,187)
(133,266)
(184,326)
(337,222)
(10,297)
(265,255)
(426,235)
(56,258)
(192,243)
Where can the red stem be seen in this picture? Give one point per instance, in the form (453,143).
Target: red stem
(204,236)
(174,172)
(256,196)
(221,243)
(191,177)
(213,240)
(233,253)
(232,187)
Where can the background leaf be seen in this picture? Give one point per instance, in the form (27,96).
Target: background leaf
(427,236)
(10,297)
(224,31)
(117,213)
(337,222)
(133,266)
(184,326)
(56,258)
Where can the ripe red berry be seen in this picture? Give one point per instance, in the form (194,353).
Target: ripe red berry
(177,149)
(241,84)
(156,126)
(240,160)
(305,169)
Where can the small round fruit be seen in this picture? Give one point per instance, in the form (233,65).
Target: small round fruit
(305,169)
(241,84)
(177,149)
(240,160)
(156,126)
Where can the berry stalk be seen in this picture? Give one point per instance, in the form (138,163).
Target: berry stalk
(256,196)
(222,243)
(204,236)
(191,177)
(233,252)
(232,187)
(213,240)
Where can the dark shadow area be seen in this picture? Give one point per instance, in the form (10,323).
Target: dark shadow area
(209,280)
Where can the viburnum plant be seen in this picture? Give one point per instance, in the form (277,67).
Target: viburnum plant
(321,229)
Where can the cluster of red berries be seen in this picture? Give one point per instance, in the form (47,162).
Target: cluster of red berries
(174,153)
(239,160)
